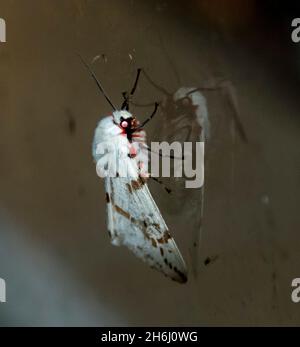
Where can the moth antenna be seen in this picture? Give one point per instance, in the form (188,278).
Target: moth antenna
(97,82)
(125,105)
(136,81)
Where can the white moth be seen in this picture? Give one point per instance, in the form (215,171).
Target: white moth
(133,218)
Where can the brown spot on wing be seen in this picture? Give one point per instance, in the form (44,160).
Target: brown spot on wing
(165,238)
(137,184)
(161,251)
(129,188)
(167,263)
(157,226)
(122,212)
(182,276)
(107,198)
(154,244)
(146,234)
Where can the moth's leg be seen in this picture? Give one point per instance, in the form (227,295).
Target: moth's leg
(171,156)
(125,105)
(216,84)
(229,91)
(155,85)
(136,81)
(168,190)
(151,116)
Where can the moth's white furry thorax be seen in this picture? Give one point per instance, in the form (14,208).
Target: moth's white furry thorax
(107,131)
(121,114)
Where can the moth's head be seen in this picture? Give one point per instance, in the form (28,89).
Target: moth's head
(125,119)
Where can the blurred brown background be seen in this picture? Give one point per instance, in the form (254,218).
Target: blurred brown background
(55,255)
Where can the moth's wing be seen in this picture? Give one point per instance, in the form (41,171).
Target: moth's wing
(134,221)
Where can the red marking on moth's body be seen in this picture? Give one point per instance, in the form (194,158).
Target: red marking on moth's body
(123,131)
(132,152)
(137,135)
